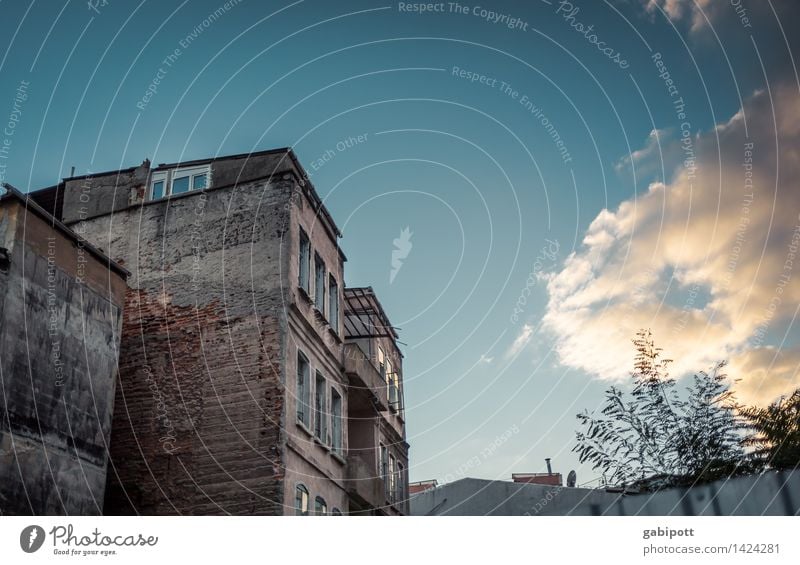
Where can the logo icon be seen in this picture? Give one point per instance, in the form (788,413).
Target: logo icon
(402,247)
(31,539)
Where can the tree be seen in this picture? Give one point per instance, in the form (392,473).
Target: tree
(652,438)
(776,433)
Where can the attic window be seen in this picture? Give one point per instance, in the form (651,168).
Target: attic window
(178,181)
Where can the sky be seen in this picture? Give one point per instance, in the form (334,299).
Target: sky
(551,176)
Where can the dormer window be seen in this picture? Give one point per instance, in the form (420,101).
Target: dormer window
(178,181)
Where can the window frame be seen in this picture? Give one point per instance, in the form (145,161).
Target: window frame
(392,473)
(383,455)
(301,495)
(382,362)
(304,244)
(303,390)
(400,482)
(319,294)
(320,407)
(337,431)
(333,302)
(168,177)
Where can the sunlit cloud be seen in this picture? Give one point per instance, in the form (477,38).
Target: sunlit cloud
(705,261)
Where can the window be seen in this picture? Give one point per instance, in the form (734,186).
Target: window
(336,512)
(394,390)
(157,190)
(320,507)
(178,181)
(333,304)
(320,410)
(392,477)
(381,362)
(401,491)
(319,283)
(301,501)
(303,390)
(305,262)
(336,421)
(383,453)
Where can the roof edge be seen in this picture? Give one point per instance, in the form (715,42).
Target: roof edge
(30,204)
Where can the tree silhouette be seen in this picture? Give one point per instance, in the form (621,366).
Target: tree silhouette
(776,433)
(652,438)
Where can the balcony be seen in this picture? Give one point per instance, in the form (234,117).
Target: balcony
(367,389)
(363,483)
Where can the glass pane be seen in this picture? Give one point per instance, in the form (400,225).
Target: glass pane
(180,185)
(158,190)
(199,181)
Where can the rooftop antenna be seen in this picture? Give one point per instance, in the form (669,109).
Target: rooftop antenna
(572,479)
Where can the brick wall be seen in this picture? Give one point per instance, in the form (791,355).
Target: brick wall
(198,420)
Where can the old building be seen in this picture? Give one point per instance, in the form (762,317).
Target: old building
(251,381)
(61,303)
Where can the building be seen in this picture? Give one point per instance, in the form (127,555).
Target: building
(376,420)
(61,303)
(767,494)
(251,380)
(421,486)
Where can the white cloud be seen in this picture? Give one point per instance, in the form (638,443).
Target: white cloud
(697,12)
(696,260)
(521,341)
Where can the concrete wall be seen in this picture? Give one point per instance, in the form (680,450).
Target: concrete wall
(60,321)
(767,494)
(87,197)
(200,403)
(478,497)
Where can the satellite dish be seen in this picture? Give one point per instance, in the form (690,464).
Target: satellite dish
(572,478)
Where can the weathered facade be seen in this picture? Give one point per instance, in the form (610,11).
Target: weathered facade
(61,304)
(235,391)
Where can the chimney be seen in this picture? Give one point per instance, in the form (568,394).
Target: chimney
(549,468)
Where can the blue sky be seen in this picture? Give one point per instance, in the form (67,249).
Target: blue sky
(473,170)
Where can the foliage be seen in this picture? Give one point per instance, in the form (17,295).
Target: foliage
(653,438)
(776,433)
